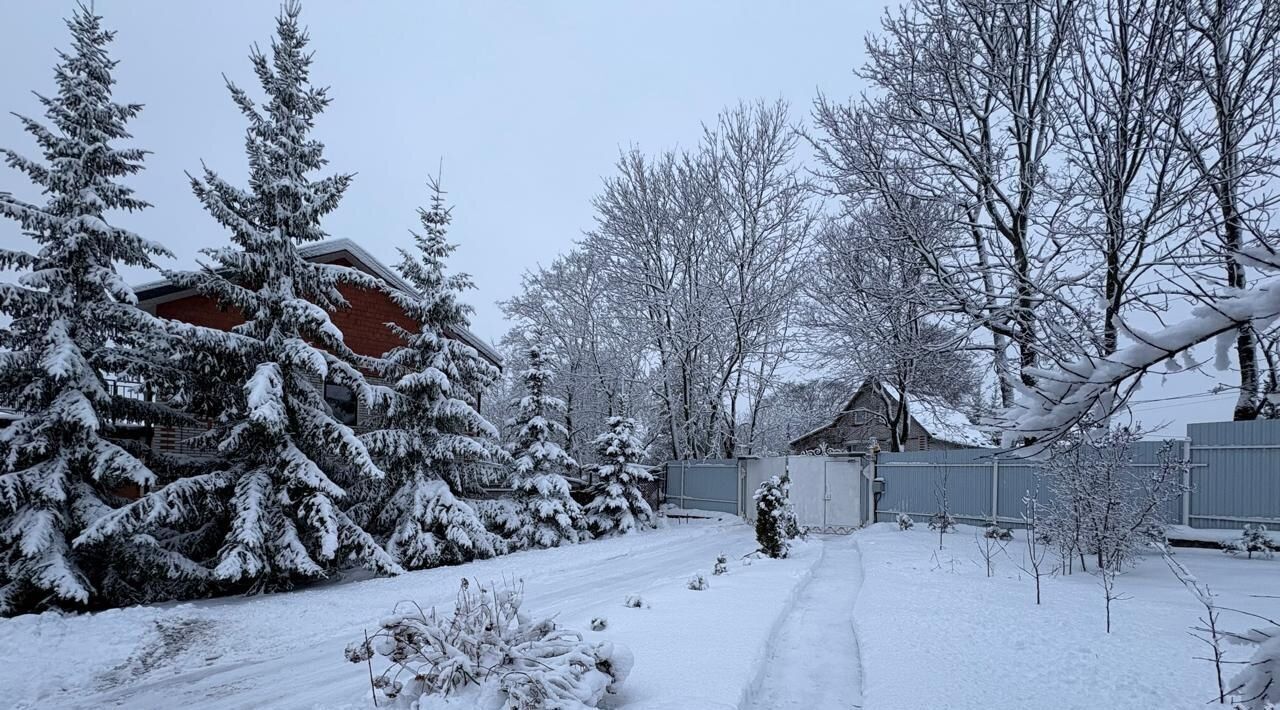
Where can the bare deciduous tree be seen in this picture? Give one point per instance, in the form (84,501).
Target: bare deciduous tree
(1229,136)
(871,314)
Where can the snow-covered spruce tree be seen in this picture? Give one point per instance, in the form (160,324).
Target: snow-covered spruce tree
(617,504)
(283,455)
(74,329)
(544,514)
(775,517)
(433,438)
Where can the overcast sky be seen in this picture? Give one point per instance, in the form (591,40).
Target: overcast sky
(527,104)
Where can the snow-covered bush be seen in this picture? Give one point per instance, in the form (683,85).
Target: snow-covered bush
(546,515)
(905,522)
(995,532)
(722,565)
(488,652)
(775,517)
(635,601)
(942,522)
(1254,538)
(599,623)
(617,502)
(698,583)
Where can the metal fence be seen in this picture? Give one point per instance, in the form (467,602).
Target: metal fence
(712,484)
(1234,477)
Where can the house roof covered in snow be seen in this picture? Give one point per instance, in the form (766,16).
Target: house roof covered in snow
(942,420)
(939,419)
(330,250)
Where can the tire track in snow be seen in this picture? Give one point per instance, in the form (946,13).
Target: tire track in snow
(814,661)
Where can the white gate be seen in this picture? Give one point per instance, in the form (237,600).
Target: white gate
(826,492)
(842,500)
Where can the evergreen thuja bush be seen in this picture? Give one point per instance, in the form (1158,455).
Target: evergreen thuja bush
(775,517)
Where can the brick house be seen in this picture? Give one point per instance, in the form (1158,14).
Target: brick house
(362,325)
(934,425)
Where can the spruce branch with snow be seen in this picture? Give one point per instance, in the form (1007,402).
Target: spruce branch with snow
(489,653)
(617,501)
(74,332)
(432,439)
(1257,685)
(283,457)
(545,514)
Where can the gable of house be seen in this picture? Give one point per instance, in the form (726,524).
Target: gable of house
(933,425)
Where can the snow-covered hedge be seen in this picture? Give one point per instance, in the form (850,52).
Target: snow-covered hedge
(488,654)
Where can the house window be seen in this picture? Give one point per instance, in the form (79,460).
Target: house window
(859,417)
(342,402)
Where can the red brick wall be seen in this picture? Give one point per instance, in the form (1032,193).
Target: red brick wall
(363,324)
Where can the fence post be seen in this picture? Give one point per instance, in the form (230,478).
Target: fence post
(742,483)
(1186,481)
(995,489)
(684,474)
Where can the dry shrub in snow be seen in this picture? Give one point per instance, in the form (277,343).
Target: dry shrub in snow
(992,543)
(942,522)
(722,565)
(995,532)
(905,522)
(599,623)
(635,601)
(487,653)
(698,583)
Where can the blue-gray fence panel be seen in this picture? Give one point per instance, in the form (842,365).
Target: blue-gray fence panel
(913,482)
(1018,479)
(1238,480)
(704,485)
(971,475)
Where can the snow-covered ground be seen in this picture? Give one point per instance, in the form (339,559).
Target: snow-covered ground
(878,620)
(935,632)
(694,649)
(813,659)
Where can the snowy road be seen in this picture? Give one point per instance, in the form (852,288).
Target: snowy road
(813,660)
(311,674)
(285,650)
